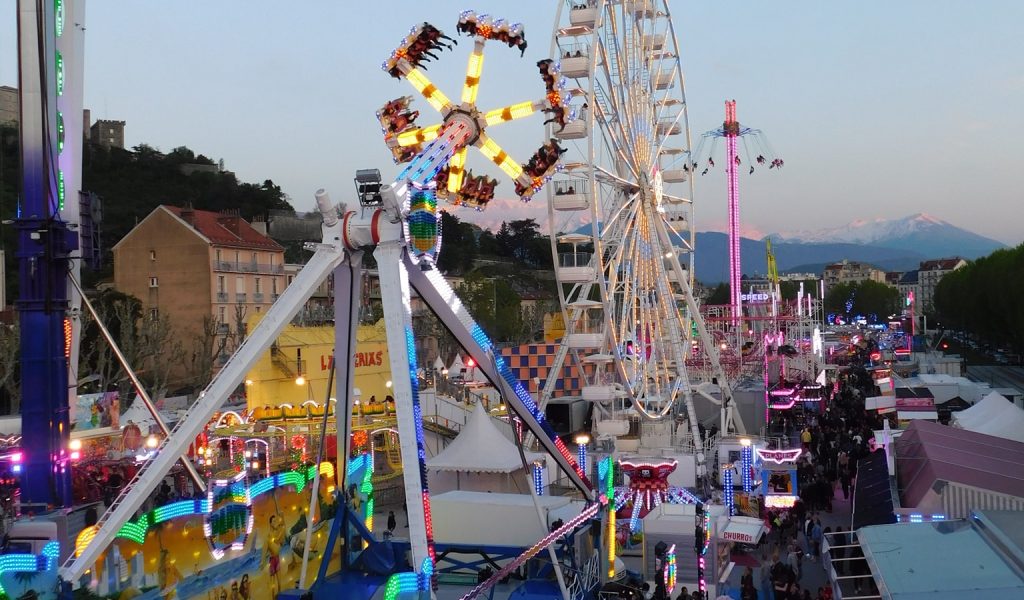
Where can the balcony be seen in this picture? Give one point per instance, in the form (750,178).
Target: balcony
(240,297)
(222,329)
(247,267)
(222,296)
(258,297)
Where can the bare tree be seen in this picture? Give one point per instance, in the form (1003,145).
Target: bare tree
(240,330)
(161,350)
(10,344)
(206,347)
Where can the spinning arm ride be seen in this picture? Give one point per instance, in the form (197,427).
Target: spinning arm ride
(399,224)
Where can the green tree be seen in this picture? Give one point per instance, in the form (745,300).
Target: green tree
(494,303)
(459,247)
(10,381)
(719,295)
(871,299)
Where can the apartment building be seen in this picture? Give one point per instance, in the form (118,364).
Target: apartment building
(189,264)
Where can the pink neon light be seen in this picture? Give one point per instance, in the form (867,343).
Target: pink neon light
(735,271)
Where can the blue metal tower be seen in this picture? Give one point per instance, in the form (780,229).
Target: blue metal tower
(44,246)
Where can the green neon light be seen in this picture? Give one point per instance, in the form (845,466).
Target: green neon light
(60,74)
(60,190)
(60,131)
(58,14)
(136,530)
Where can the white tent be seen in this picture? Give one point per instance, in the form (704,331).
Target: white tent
(481,459)
(438,364)
(479,447)
(993,415)
(478,376)
(456,367)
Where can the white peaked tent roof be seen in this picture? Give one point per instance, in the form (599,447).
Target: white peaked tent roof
(479,377)
(456,365)
(993,415)
(438,364)
(479,447)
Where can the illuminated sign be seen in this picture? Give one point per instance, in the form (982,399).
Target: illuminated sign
(754,297)
(739,536)
(779,501)
(778,456)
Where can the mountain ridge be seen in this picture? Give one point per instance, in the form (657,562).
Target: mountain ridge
(888,244)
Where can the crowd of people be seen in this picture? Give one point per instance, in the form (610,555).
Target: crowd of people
(832,441)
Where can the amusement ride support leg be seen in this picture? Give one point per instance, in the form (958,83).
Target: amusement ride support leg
(348,284)
(314,490)
(327,256)
(146,400)
(394,293)
(438,295)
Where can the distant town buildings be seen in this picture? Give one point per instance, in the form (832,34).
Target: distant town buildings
(851,272)
(930,273)
(106,133)
(193,264)
(908,284)
(9,105)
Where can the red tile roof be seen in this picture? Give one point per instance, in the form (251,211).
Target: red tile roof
(942,264)
(225,230)
(927,453)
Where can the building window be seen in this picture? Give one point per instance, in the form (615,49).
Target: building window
(220,284)
(290,278)
(259,286)
(259,309)
(222,315)
(240,285)
(152,255)
(273,285)
(153,282)
(254,256)
(237,260)
(218,255)
(154,313)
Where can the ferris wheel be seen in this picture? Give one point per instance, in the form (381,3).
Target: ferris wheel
(621,212)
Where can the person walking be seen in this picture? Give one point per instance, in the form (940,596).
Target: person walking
(392,522)
(845,480)
(816,533)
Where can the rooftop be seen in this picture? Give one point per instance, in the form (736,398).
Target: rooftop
(976,558)
(224,229)
(929,453)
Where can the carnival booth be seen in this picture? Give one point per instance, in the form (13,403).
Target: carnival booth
(778,477)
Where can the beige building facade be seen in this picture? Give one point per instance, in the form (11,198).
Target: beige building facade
(190,264)
(851,272)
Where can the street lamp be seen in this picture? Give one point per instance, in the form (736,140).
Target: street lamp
(582,439)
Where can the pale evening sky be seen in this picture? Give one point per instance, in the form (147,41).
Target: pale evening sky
(880,109)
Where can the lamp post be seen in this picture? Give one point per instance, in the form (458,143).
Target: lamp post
(582,439)
(746,463)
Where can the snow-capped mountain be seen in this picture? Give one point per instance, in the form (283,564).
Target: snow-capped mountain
(920,233)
